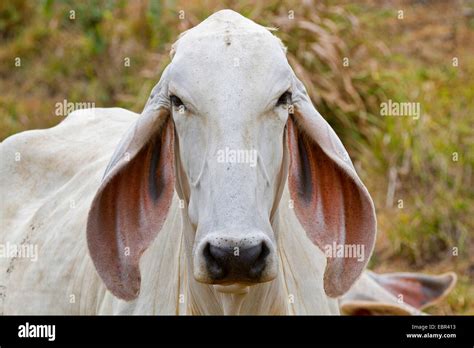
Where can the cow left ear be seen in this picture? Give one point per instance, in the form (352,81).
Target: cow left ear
(330,201)
(133,199)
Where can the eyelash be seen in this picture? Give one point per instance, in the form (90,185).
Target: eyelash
(284,99)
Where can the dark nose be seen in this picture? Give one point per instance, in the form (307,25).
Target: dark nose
(237,264)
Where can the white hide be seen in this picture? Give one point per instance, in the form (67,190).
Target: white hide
(45,200)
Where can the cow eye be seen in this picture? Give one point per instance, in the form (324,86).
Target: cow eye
(176,101)
(284,99)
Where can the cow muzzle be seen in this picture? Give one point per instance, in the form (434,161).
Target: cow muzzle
(220,259)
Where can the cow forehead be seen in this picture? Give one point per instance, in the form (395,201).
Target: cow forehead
(225,24)
(229,54)
(224,20)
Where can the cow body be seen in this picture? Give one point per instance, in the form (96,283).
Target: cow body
(46,197)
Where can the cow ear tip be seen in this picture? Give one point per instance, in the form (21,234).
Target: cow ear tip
(336,285)
(332,290)
(451,280)
(127,295)
(126,292)
(452,275)
(133,296)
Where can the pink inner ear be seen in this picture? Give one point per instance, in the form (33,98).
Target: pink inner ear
(330,205)
(129,210)
(411,291)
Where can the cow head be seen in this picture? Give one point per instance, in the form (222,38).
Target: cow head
(227,127)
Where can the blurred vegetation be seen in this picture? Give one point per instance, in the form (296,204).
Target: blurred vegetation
(77,50)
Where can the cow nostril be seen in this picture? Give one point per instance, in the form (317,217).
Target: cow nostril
(214,257)
(249,255)
(258,266)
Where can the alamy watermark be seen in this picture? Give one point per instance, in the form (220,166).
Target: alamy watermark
(65,107)
(27,251)
(28,330)
(229,155)
(352,251)
(392,108)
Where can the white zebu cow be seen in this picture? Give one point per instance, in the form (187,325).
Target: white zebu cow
(218,236)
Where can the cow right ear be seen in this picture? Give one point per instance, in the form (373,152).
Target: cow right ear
(133,199)
(330,201)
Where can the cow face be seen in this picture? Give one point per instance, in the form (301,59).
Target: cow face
(229,98)
(227,127)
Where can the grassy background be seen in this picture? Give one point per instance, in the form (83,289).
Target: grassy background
(405,60)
